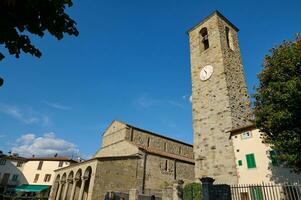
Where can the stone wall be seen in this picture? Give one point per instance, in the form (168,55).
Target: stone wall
(162,172)
(121,148)
(168,145)
(235,78)
(117,174)
(219,104)
(114,133)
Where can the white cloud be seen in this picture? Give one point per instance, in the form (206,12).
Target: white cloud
(187,97)
(26,139)
(27,116)
(56,105)
(2,135)
(47,145)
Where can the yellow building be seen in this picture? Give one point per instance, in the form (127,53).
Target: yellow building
(40,170)
(255,161)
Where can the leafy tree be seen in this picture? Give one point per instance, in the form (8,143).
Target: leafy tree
(21,18)
(192,191)
(278,102)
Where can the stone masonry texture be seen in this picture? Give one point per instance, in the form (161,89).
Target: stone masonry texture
(220,103)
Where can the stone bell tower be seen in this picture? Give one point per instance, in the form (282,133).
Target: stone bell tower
(220,99)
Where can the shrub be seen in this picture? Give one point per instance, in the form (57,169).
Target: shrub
(192,191)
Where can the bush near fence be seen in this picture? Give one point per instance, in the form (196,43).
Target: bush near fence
(193,191)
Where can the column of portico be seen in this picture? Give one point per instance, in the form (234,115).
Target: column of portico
(82,187)
(75,180)
(58,194)
(54,190)
(66,189)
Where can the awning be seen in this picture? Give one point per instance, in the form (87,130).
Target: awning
(31,188)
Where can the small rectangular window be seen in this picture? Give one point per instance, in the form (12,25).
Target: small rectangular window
(2,161)
(240,163)
(15,177)
(40,165)
(246,135)
(165,146)
(36,178)
(61,163)
(19,164)
(47,177)
(251,161)
(148,142)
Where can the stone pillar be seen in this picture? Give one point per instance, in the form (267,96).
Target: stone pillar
(66,189)
(58,194)
(54,190)
(73,189)
(207,186)
(133,194)
(82,187)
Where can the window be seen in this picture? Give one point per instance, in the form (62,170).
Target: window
(61,163)
(165,166)
(240,163)
(273,157)
(15,177)
(2,161)
(229,38)
(250,161)
(165,146)
(246,135)
(204,39)
(36,178)
(180,150)
(148,142)
(40,165)
(19,164)
(47,177)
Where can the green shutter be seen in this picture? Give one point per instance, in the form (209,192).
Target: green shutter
(240,163)
(256,193)
(250,161)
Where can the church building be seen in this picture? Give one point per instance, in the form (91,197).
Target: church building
(226,147)
(130,158)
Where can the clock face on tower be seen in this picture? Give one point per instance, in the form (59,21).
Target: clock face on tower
(206,72)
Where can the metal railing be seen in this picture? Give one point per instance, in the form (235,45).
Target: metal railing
(266,191)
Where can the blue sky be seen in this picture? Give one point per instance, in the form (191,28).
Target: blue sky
(130,63)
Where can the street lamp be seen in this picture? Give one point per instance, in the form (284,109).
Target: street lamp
(1,81)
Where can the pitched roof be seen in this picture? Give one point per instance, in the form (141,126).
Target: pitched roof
(216,12)
(52,159)
(166,154)
(242,128)
(158,135)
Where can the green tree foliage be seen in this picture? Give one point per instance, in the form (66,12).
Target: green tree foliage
(193,191)
(278,102)
(20,19)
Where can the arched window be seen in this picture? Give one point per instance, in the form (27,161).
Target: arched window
(204,39)
(229,39)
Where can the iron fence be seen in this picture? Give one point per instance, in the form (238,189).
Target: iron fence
(266,191)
